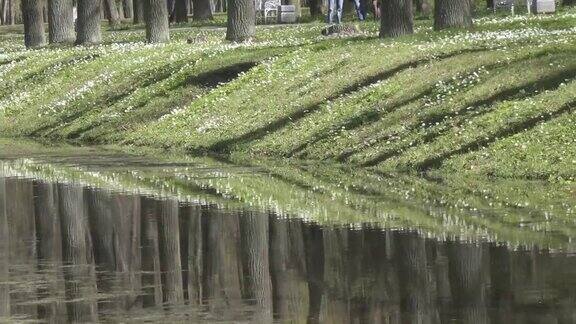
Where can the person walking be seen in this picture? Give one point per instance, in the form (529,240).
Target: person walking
(335,9)
(360,11)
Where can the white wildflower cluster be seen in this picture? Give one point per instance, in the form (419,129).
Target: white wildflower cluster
(489,20)
(76,94)
(445,89)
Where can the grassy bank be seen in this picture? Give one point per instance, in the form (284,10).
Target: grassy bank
(495,101)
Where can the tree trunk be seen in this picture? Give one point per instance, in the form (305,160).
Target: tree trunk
(170,4)
(61,21)
(241,20)
(138,11)
(111,12)
(424,7)
(202,10)
(181,11)
(156,14)
(120,7)
(315,8)
(128,6)
(88,22)
(33,23)
(452,14)
(569,3)
(397,18)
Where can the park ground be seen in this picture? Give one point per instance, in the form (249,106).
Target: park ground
(496,101)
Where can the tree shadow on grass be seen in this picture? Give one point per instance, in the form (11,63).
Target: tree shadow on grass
(226,145)
(515,93)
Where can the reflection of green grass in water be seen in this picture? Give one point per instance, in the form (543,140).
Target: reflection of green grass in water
(511,211)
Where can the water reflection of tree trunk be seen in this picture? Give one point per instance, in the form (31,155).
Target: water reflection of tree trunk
(314,246)
(151,274)
(223,264)
(288,265)
(384,290)
(255,236)
(4,255)
(193,257)
(49,247)
(444,293)
(77,246)
(169,242)
(415,279)
(115,224)
(22,233)
(335,302)
(501,294)
(467,280)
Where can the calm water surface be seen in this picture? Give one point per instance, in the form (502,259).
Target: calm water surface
(101,237)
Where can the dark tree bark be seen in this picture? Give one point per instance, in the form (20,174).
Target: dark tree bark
(32,16)
(88,22)
(569,3)
(181,11)
(60,21)
(170,5)
(315,8)
(241,20)
(424,7)
(138,11)
(111,12)
(397,18)
(156,14)
(128,6)
(452,14)
(202,10)
(120,7)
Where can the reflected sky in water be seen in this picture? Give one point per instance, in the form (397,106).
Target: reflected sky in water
(79,252)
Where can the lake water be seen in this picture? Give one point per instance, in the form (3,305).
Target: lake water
(88,235)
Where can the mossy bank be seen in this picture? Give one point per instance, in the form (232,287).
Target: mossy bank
(495,101)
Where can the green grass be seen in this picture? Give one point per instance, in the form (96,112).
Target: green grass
(495,101)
